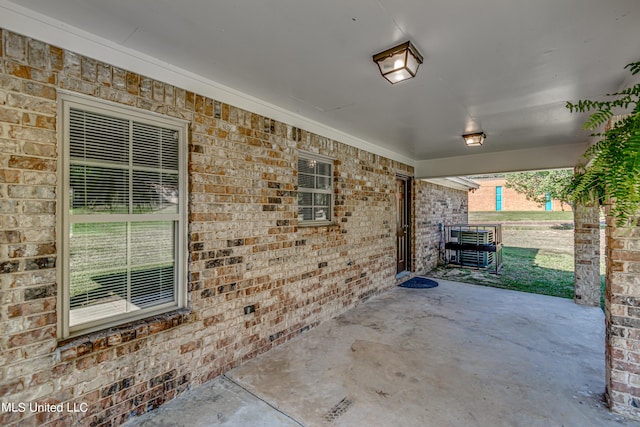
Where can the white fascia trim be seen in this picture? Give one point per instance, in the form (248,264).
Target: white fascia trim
(41,27)
(457,183)
(536,158)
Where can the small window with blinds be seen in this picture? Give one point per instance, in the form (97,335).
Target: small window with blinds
(315,190)
(123,218)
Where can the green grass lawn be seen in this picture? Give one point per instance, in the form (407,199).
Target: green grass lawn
(524,269)
(502,216)
(536,259)
(539,272)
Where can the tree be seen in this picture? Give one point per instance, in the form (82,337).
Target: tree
(538,186)
(613,171)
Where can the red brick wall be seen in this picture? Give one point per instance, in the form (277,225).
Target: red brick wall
(484,198)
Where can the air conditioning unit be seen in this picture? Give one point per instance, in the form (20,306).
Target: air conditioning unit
(472,258)
(473,245)
(475,259)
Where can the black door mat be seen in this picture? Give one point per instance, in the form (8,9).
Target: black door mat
(419,283)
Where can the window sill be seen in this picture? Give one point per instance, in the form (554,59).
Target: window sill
(73,348)
(316,223)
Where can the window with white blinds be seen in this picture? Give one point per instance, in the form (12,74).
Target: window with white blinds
(315,189)
(123,214)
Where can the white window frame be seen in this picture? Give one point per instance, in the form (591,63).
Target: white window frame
(66,101)
(330,191)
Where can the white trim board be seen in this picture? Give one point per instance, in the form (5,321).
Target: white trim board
(457,183)
(536,158)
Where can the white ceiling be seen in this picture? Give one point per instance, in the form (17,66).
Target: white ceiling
(504,66)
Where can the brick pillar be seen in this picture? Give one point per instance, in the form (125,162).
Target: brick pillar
(586,252)
(622,313)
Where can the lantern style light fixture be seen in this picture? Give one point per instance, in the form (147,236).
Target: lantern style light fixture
(474,139)
(398,63)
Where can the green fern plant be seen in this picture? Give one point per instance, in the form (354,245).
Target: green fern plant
(613,172)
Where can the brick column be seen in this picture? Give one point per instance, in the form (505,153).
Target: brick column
(622,312)
(587,254)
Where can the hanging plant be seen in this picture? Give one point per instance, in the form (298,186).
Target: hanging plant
(613,171)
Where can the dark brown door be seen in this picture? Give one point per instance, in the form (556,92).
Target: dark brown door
(402,223)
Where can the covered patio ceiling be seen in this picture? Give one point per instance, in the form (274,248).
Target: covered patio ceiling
(504,67)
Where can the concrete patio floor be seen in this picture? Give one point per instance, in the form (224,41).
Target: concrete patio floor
(455,355)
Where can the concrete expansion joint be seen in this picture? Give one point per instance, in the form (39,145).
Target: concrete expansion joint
(227,378)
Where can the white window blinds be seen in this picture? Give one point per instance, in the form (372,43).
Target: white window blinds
(123,218)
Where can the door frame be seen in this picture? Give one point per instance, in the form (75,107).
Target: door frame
(408,244)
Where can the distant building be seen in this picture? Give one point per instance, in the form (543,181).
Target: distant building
(494,195)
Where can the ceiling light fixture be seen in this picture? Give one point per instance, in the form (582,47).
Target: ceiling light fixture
(398,63)
(474,139)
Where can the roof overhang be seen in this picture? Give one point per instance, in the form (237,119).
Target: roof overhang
(458,183)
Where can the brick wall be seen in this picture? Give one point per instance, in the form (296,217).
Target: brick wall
(586,239)
(245,243)
(484,198)
(435,205)
(622,313)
